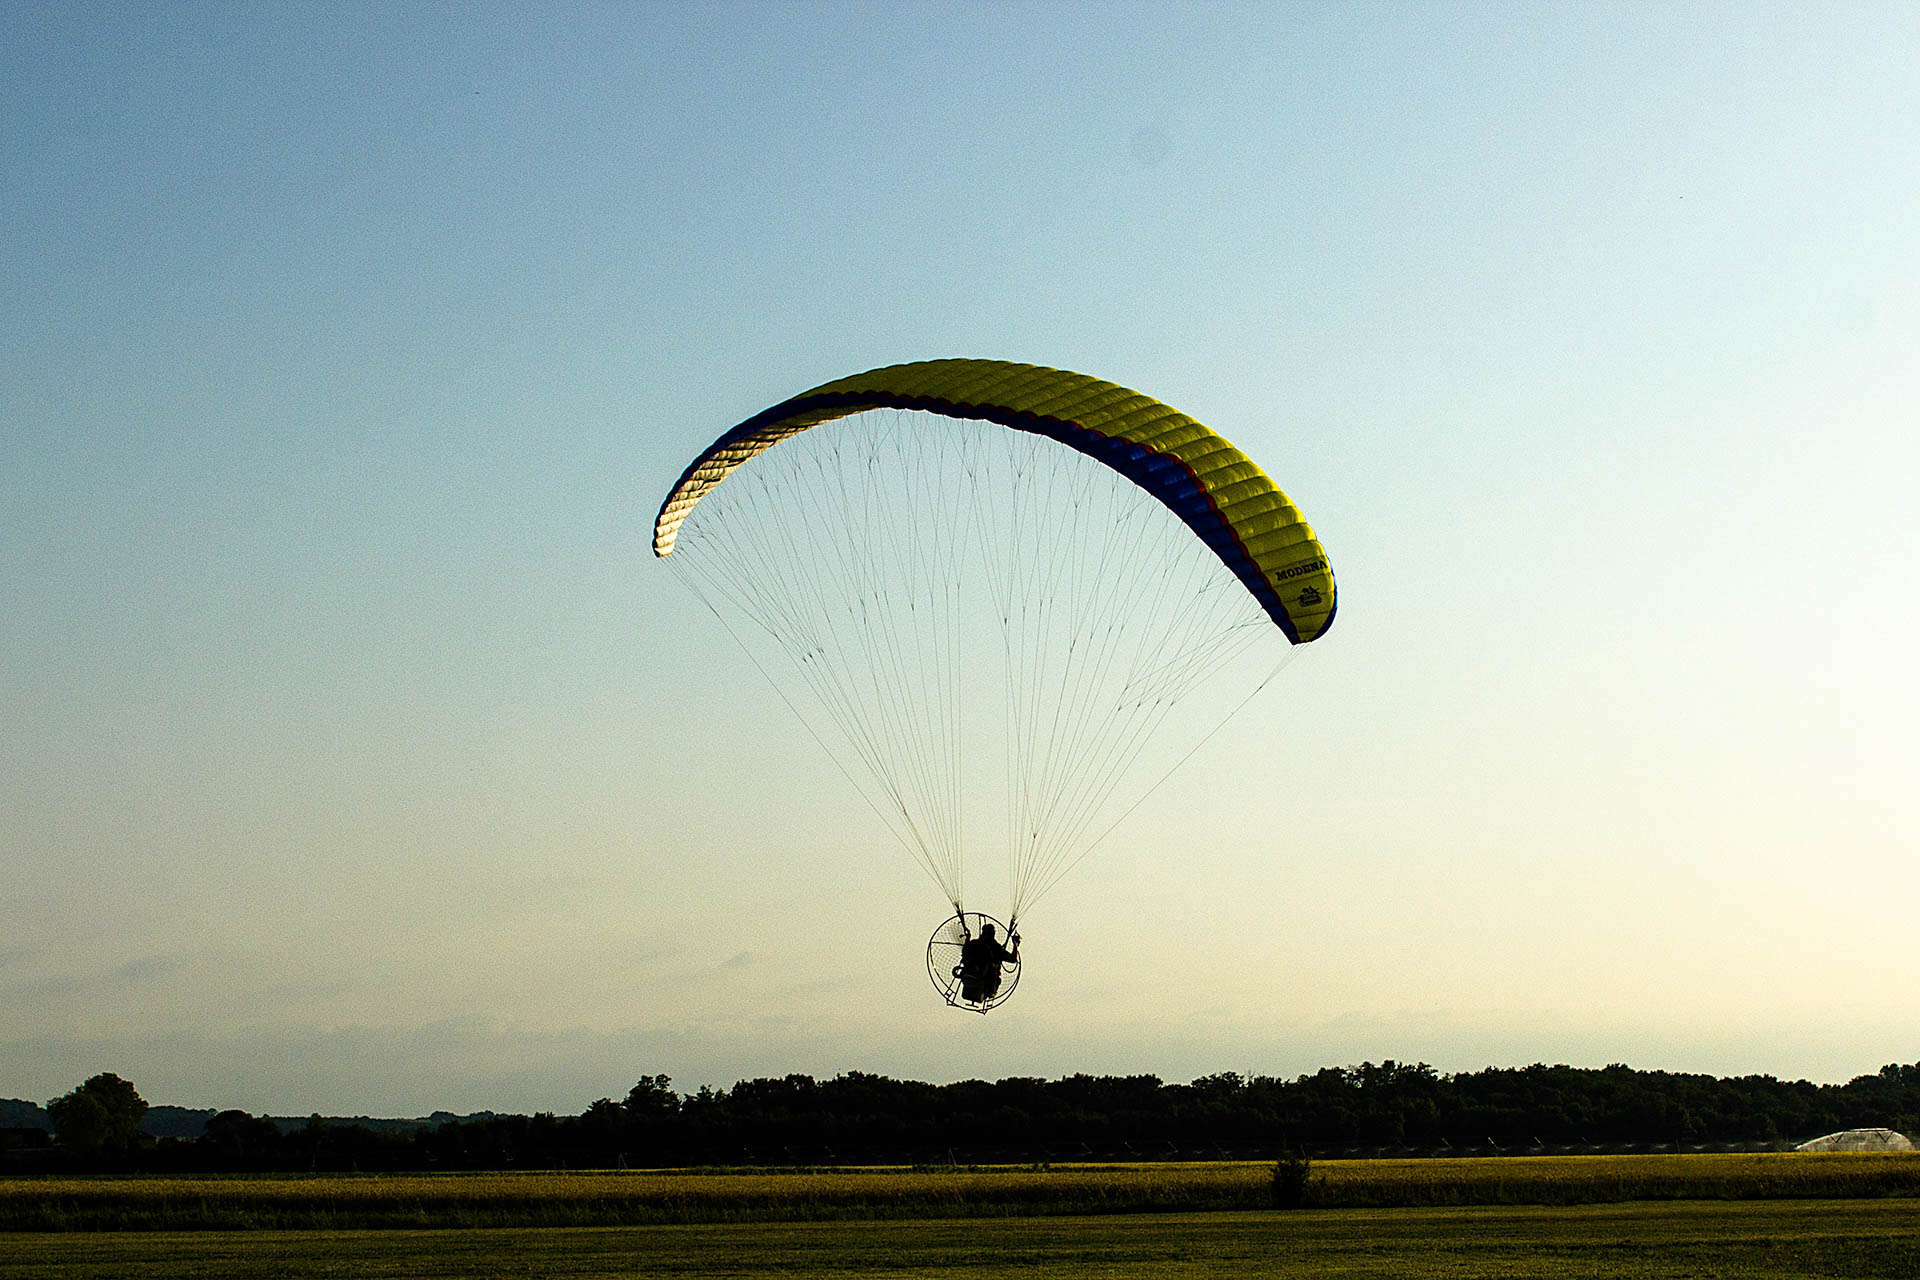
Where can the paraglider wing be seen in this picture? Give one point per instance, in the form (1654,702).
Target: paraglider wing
(1216,490)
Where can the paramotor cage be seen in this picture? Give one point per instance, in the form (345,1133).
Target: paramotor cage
(981,987)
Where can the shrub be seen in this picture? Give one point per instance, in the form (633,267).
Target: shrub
(1290,1186)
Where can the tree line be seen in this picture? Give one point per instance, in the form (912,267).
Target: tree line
(859,1118)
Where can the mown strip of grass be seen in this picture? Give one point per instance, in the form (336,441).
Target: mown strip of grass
(1610,1179)
(335,1202)
(1761,1240)
(604,1199)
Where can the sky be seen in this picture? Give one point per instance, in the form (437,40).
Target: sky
(356,755)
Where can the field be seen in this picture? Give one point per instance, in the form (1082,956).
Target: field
(1754,1240)
(284,1202)
(1771,1215)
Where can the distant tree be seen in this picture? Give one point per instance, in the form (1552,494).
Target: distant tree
(99,1118)
(652,1098)
(236,1140)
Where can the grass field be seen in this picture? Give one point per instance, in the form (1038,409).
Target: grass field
(399,1202)
(1753,1240)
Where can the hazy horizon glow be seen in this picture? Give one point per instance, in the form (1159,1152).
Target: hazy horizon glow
(358,757)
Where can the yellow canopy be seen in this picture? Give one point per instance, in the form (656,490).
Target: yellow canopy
(1219,492)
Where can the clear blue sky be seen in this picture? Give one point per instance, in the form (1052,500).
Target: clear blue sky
(355,755)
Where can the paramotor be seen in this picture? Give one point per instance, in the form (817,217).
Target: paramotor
(950,562)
